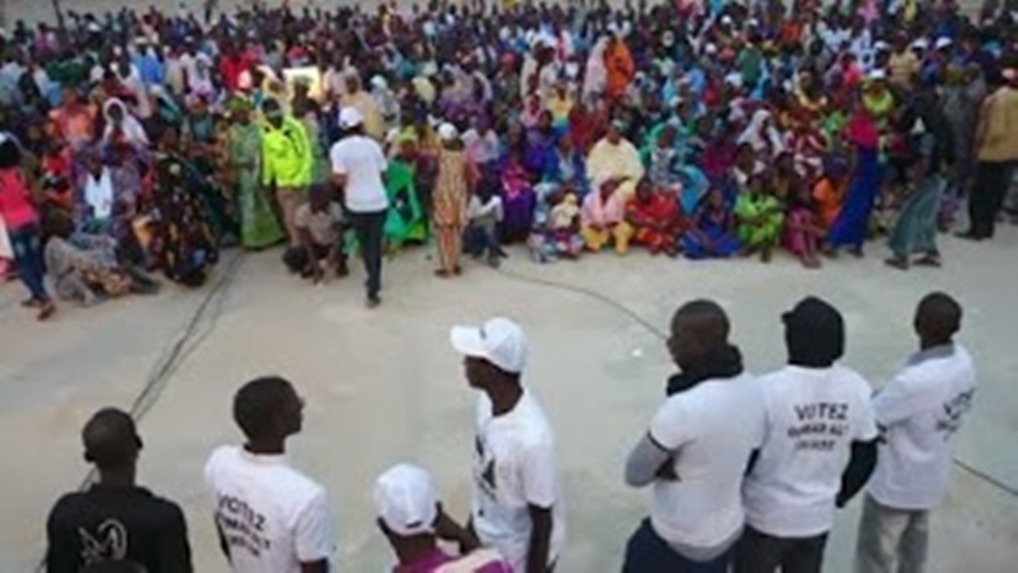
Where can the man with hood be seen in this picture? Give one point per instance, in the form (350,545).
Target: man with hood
(818,417)
(696,451)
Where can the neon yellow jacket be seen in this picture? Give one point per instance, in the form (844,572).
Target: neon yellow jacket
(287,156)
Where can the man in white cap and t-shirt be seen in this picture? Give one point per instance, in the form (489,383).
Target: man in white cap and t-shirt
(411,518)
(516,504)
(358,166)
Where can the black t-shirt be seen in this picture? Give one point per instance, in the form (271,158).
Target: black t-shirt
(117,524)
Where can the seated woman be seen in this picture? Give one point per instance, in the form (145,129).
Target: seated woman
(655,219)
(84,267)
(405,220)
(518,197)
(712,234)
(661,156)
(829,192)
(603,218)
(183,244)
(569,168)
(760,218)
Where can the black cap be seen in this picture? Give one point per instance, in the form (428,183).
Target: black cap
(814,333)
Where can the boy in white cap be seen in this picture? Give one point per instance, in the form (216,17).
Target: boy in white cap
(358,166)
(411,518)
(516,506)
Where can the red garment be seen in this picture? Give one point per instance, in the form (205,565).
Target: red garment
(231,67)
(656,221)
(621,69)
(16,207)
(861,130)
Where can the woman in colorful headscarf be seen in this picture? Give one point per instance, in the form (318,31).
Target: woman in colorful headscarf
(259,227)
(183,244)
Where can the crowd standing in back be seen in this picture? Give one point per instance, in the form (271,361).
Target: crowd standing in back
(701,129)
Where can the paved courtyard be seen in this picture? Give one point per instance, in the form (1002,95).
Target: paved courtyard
(383,386)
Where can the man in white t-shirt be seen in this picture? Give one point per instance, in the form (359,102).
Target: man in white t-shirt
(817,418)
(516,503)
(918,412)
(271,518)
(358,168)
(696,451)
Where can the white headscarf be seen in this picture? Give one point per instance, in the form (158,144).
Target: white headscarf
(757,136)
(595,80)
(133,132)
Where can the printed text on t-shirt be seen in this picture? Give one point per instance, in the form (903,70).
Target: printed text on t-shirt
(821,424)
(242,526)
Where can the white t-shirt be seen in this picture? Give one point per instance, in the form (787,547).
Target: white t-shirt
(272,516)
(919,410)
(812,417)
(514,467)
(361,159)
(714,427)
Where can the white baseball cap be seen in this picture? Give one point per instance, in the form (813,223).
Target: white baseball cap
(499,341)
(349,117)
(447,132)
(920,44)
(405,500)
(943,42)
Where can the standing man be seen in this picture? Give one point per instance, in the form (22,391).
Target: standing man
(996,148)
(271,518)
(115,520)
(918,412)
(696,451)
(358,165)
(287,164)
(817,417)
(516,505)
(931,153)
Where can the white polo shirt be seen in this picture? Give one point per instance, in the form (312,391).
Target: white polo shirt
(514,467)
(361,159)
(714,427)
(919,411)
(272,516)
(812,417)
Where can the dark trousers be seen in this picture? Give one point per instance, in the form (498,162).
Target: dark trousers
(368,227)
(646,552)
(27,247)
(479,240)
(762,553)
(987,197)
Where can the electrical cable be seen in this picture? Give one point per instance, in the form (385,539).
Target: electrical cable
(618,306)
(174,356)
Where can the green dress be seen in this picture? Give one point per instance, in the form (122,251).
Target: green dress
(405,220)
(765,230)
(259,227)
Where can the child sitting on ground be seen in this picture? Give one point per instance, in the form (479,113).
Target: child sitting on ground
(803,231)
(564,224)
(319,225)
(484,213)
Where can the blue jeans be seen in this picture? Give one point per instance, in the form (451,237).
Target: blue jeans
(646,552)
(27,247)
(369,229)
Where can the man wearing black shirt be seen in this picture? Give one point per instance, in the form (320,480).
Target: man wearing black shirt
(115,520)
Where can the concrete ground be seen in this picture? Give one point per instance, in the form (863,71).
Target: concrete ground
(383,386)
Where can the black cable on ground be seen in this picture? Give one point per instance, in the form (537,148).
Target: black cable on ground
(174,356)
(605,299)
